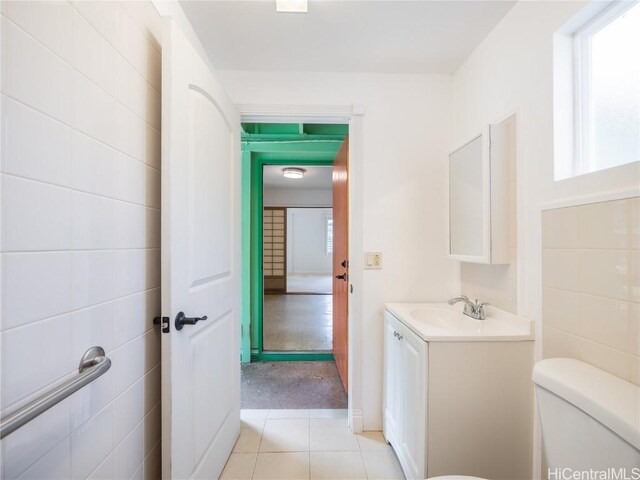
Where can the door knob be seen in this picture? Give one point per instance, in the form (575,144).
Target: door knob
(344,277)
(344,263)
(182,320)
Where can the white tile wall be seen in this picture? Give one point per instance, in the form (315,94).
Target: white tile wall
(591,285)
(80,199)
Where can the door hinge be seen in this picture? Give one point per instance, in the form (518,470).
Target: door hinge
(164,321)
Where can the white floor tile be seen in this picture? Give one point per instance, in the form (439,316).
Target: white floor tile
(372,441)
(254,413)
(282,466)
(285,435)
(382,466)
(283,413)
(331,434)
(328,413)
(337,465)
(255,423)
(239,466)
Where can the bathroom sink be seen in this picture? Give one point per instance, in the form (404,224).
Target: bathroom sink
(443,322)
(446,319)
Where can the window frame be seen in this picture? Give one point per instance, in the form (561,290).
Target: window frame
(328,219)
(583,128)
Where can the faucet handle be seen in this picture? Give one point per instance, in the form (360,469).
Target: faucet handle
(478,310)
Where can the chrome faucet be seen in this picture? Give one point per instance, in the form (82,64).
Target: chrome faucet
(473,310)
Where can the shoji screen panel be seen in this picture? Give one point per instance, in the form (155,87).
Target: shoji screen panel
(274,254)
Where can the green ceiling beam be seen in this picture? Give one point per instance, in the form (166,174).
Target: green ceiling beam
(294,146)
(277,131)
(291,158)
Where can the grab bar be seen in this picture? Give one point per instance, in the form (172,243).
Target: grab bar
(93,364)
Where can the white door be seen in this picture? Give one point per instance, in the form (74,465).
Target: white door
(200,264)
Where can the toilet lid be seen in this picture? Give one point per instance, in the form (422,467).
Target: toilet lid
(456,477)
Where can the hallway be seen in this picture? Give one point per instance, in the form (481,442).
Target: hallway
(297,323)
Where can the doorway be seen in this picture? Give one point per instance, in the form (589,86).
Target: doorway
(288,169)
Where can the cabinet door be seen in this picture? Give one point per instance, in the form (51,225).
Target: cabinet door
(392,378)
(413,403)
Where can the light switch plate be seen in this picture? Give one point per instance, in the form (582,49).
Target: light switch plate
(373,260)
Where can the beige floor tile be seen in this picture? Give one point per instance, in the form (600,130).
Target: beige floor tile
(328,413)
(337,466)
(250,435)
(282,466)
(239,466)
(382,466)
(331,434)
(285,435)
(372,441)
(284,413)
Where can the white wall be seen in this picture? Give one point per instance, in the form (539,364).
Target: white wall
(406,140)
(306,241)
(80,234)
(513,68)
(297,197)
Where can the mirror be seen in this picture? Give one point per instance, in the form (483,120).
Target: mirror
(479,200)
(469,200)
(466,198)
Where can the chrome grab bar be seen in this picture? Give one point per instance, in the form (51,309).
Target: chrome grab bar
(93,364)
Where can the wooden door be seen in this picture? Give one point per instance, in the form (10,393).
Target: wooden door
(341,260)
(200,264)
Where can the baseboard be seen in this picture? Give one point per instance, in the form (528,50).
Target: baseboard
(355,420)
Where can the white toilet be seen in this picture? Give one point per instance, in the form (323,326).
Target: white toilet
(590,420)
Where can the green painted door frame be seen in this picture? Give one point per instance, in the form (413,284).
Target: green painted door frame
(255,155)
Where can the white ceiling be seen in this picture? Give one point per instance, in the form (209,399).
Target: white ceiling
(392,36)
(314,177)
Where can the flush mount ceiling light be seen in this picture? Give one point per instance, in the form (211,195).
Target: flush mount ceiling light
(292,6)
(293,172)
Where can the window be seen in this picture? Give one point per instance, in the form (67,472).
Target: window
(329,235)
(604,91)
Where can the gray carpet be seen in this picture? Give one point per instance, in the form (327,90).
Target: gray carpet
(292,385)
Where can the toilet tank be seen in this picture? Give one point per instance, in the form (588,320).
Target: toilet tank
(590,419)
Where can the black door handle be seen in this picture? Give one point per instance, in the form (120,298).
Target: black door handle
(182,320)
(344,277)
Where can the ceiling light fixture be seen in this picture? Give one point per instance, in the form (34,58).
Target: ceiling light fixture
(293,172)
(292,6)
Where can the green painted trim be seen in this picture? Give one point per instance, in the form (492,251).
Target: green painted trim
(256,254)
(245,308)
(273,144)
(290,356)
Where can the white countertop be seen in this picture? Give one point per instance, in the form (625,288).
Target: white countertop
(441,322)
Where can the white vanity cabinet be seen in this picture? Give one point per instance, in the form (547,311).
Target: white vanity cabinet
(405,395)
(458,405)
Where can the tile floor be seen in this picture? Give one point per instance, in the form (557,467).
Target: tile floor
(307,444)
(298,323)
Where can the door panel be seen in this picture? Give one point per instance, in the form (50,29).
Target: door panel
(393,372)
(413,399)
(209,213)
(200,264)
(340,260)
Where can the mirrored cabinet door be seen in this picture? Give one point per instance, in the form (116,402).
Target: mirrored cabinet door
(479,216)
